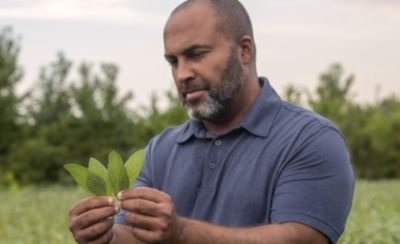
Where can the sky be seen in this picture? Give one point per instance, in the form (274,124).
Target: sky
(296,40)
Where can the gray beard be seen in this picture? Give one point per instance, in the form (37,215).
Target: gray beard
(220,98)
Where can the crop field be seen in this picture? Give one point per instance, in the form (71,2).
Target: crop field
(37,215)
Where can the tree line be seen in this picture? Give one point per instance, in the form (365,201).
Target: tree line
(62,119)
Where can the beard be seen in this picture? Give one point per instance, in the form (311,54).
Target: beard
(219,99)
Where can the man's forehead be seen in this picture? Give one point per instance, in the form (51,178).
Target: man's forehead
(193,25)
(194,14)
(194,6)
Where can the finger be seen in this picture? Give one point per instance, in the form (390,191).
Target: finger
(106,238)
(94,232)
(140,206)
(147,236)
(146,222)
(93,216)
(146,193)
(90,203)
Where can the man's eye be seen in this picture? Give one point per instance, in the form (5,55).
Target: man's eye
(172,61)
(197,54)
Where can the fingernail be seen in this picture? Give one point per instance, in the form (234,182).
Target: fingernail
(119,195)
(110,201)
(116,208)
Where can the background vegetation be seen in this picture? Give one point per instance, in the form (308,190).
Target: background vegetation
(39,215)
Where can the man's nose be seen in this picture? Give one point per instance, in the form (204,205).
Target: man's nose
(184,72)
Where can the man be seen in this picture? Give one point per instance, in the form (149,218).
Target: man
(247,168)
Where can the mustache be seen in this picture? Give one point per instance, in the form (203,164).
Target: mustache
(193,86)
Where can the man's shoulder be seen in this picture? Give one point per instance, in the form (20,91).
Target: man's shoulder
(303,119)
(170,135)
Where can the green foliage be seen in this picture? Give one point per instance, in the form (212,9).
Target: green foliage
(8,181)
(79,173)
(10,75)
(374,217)
(36,160)
(97,167)
(95,184)
(333,95)
(134,164)
(378,154)
(155,120)
(98,180)
(51,102)
(116,171)
(37,215)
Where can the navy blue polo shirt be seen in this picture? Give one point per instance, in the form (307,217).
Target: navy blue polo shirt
(281,163)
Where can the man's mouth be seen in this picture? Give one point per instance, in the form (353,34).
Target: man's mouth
(192,93)
(193,96)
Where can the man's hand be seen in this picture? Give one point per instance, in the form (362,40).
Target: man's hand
(90,220)
(151,214)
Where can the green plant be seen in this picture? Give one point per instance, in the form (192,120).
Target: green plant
(101,181)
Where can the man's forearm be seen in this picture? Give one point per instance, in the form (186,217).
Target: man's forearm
(197,232)
(122,235)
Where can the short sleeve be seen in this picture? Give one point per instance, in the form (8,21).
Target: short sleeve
(316,185)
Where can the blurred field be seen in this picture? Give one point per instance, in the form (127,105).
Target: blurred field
(375,216)
(39,215)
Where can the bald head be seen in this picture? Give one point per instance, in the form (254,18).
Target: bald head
(232,18)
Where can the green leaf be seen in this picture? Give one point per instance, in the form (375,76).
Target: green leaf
(117,173)
(134,165)
(98,168)
(79,173)
(96,184)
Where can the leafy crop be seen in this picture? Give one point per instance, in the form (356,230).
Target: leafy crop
(41,210)
(99,180)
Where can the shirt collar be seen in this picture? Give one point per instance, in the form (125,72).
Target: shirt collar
(189,129)
(257,121)
(260,118)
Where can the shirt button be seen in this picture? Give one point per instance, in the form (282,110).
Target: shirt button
(218,142)
(212,165)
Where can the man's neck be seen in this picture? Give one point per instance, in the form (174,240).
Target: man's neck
(241,106)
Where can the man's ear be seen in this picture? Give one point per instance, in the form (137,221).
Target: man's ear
(247,49)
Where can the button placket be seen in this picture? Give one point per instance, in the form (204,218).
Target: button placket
(212,165)
(211,162)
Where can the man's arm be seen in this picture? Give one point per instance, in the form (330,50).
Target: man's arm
(123,234)
(151,218)
(197,232)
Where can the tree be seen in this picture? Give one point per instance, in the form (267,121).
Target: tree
(155,120)
(37,157)
(50,100)
(105,120)
(378,152)
(71,121)
(10,75)
(333,95)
